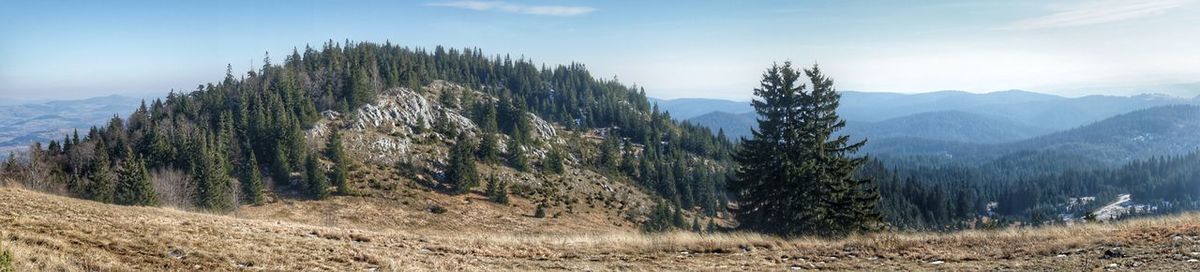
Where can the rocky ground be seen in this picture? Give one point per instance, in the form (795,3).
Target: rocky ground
(52,233)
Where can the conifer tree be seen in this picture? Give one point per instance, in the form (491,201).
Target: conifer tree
(314,175)
(554,161)
(103,183)
(252,184)
(794,175)
(133,184)
(516,153)
(280,172)
(659,219)
(336,154)
(488,151)
(462,175)
(213,183)
(497,190)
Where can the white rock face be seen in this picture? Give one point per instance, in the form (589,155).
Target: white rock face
(387,128)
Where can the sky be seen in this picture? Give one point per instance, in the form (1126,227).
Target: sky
(715,49)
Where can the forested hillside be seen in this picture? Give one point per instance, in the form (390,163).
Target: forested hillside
(250,137)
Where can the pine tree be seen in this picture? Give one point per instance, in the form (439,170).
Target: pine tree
(314,176)
(103,183)
(133,184)
(793,176)
(851,200)
(497,190)
(462,175)
(280,172)
(213,183)
(488,152)
(516,153)
(252,184)
(335,153)
(554,161)
(659,219)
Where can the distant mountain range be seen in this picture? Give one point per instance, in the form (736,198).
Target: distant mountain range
(953,115)
(1003,128)
(22,125)
(1142,134)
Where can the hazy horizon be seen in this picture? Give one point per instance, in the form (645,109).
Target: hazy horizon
(673,49)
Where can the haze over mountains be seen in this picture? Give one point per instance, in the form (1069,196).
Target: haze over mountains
(886,115)
(22,125)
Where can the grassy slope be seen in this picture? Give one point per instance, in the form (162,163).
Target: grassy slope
(47,232)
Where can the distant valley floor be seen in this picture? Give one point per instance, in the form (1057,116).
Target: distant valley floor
(46,232)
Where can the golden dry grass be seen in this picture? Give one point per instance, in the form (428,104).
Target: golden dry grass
(52,233)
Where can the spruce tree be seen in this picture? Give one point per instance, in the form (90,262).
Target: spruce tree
(461,174)
(213,183)
(314,176)
(659,219)
(488,151)
(336,154)
(281,173)
(252,184)
(497,190)
(794,175)
(103,184)
(554,161)
(516,153)
(133,184)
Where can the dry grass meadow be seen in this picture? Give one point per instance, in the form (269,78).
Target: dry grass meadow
(53,233)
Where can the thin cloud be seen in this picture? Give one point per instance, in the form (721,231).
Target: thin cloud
(1098,13)
(516,8)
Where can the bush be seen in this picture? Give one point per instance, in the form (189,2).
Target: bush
(540,212)
(6,260)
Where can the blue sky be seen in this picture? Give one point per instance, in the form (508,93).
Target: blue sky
(74,49)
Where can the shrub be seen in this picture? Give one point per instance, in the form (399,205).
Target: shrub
(6,260)
(540,212)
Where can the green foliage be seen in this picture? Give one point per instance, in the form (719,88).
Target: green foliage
(795,176)
(213,131)
(133,184)
(540,212)
(554,161)
(213,183)
(281,173)
(103,182)
(252,183)
(314,176)
(461,174)
(659,219)
(516,154)
(6,260)
(497,190)
(336,154)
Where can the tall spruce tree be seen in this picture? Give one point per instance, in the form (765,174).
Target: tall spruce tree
(461,174)
(314,176)
(553,162)
(794,176)
(103,181)
(133,184)
(252,184)
(213,183)
(336,154)
(516,153)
